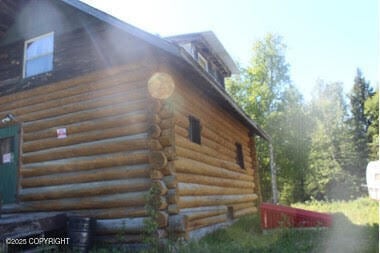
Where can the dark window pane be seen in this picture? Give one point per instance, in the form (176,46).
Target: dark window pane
(239,155)
(194,130)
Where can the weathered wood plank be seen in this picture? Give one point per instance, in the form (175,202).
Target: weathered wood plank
(189,189)
(213,181)
(136,142)
(71,139)
(212,200)
(85,189)
(86,163)
(190,166)
(123,119)
(133,199)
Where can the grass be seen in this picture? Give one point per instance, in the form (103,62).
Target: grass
(353,210)
(355,229)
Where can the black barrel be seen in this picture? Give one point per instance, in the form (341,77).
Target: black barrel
(80,232)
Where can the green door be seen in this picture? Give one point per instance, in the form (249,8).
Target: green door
(9,154)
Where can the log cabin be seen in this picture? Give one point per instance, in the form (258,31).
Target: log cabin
(94,112)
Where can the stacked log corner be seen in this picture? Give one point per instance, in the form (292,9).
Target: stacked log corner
(159,162)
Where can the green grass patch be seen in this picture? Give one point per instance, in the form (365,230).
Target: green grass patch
(362,211)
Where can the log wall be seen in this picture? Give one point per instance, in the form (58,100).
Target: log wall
(206,185)
(110,158)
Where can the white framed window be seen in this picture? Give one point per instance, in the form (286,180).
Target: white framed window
(203,62)
(38,55)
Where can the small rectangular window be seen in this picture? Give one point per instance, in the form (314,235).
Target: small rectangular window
(194,130)
(203,62)
(38,55)
(239,155)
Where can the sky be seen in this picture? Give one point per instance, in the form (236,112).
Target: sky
(326,39)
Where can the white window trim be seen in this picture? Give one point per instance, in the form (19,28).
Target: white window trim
(201,58)
(25,47)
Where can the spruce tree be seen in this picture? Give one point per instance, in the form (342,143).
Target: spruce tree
(359,123)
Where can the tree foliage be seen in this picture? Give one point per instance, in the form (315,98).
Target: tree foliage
(371,111)
(359,123)
(322,147)
(265,92)
(332,149)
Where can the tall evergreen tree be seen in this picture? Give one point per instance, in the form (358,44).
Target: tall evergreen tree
(360,92)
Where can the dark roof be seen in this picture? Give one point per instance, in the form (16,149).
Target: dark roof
(213,43)
(8,9)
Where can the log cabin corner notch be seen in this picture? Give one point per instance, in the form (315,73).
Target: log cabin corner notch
(124,98)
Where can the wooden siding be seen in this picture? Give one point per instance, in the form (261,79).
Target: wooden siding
(206,185)
(103,168)
(76,52)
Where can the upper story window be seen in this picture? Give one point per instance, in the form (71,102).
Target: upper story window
(38,55)
(203,62)
(194,130)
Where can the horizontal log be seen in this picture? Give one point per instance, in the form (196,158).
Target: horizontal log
(125,119)
(204,214)
(103,174)
(41,95)
(187,211)
(243,206)
(212,200)
(206,221)
(71,139)
(185,143)
(126,225)
(85,189)
(82,104)
(190,166)
(200,157)
(134,199)
(188,189)
(92,114)
(213,181)
(114,145)
(209,144)
(86,163)
(245,211)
